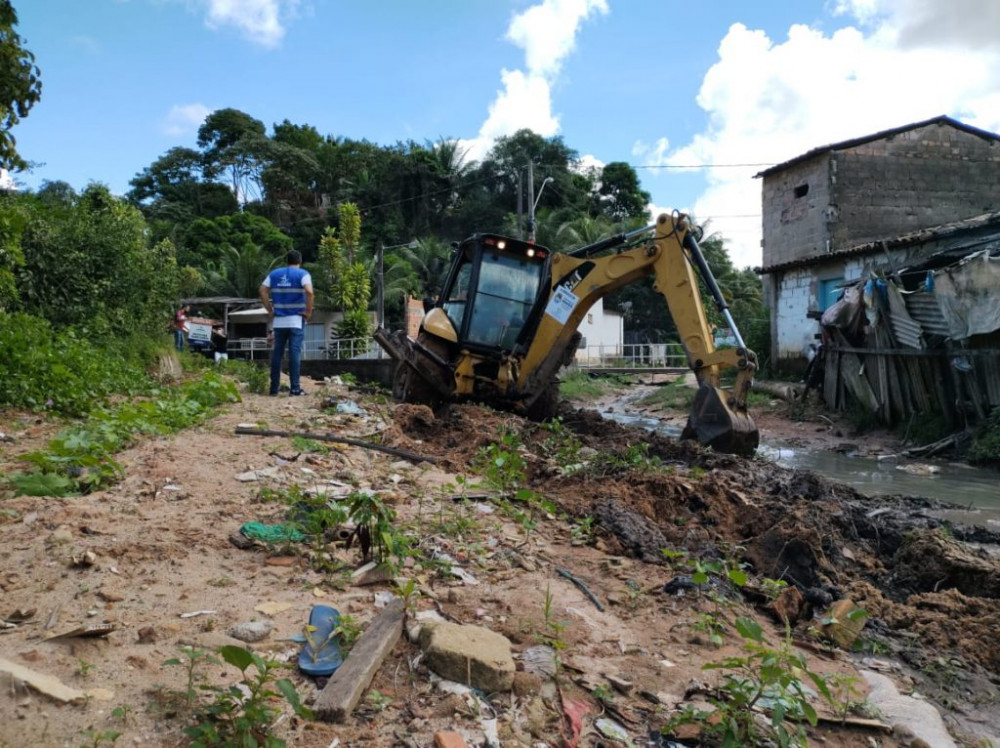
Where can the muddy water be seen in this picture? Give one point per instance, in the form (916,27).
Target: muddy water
(976,491)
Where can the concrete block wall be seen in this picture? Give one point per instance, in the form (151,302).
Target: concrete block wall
(794,226)
(925,177)
(796,296)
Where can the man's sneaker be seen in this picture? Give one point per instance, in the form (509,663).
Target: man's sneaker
(296,393)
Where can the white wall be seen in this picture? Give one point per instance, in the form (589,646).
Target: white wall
(601,327)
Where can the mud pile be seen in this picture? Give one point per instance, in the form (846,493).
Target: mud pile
(930,594)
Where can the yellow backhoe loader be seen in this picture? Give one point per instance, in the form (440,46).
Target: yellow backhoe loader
(506,322)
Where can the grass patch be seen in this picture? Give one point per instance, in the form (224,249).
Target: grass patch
(81,457)
(578,385)
(673,396)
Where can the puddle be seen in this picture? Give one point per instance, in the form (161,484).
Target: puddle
(974,491)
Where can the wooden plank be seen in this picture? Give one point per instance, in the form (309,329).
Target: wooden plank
(346,686)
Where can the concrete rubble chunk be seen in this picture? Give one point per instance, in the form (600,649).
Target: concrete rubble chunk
(472,655)
(843,628)
(252,631)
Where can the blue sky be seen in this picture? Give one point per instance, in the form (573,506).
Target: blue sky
(656,83)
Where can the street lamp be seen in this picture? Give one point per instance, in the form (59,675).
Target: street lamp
(531,213)
(412,244)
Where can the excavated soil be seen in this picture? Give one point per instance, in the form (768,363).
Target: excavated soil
(161,548)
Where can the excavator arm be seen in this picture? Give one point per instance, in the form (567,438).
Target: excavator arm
(719,416)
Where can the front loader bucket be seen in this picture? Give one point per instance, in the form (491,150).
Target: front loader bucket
(714,423)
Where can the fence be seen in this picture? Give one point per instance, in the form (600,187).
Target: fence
(312,350)
(632,356)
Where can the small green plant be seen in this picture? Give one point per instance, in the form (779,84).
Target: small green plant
(83,668)
(603,693)
(347,629)
(582,531)
(192,661)
(378,700)
(123,713)
(763,677)
(845,697)
(772,588)
(710,625)
(97,739)
(372,520)
(303,444)
(242,715)
(552,631)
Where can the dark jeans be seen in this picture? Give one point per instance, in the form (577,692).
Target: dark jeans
(179,340)
(293,338)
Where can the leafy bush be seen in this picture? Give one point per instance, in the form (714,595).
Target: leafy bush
(985,447)
(41,369)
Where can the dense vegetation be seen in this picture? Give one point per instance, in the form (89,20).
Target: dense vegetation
(88,280)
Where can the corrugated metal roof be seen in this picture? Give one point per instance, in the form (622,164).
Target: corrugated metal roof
(942,120)
(905,329)
(923,307)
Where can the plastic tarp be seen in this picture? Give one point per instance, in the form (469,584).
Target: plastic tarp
(968,295)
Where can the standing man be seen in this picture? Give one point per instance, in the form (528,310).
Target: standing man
(287,293)
(180,327)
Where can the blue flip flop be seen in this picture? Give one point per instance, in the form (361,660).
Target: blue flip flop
(321,654)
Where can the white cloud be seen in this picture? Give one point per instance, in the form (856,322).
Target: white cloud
(184,119)
(260,21)
(769,102)
(547,34)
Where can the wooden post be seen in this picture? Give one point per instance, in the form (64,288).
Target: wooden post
(346,686)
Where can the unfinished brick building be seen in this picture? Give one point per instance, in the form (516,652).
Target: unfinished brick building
(832,213)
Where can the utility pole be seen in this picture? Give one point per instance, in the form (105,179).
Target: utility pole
(520,201)
(381,285)
(531,201)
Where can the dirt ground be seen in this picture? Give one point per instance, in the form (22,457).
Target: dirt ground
(161,549)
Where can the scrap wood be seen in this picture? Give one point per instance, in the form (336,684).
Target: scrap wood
(51,686)
(328,437)
(346,686)
(86,632)
(583,587)
(870,724)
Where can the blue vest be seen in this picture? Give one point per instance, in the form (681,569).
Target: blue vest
(287,293)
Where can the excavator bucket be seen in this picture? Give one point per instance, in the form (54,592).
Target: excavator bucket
(725,429)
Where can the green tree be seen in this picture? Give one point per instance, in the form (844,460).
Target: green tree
(235,143)
(88,264)
(347,277)
(620,197)
(205,242)
(20,86)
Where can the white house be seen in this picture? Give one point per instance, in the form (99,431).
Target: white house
(603,334)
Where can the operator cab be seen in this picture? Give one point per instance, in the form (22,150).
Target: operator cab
(492,290)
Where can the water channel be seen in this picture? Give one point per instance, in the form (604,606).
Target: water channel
(974,491)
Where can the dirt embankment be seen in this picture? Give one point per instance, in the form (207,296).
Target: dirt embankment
(160,541)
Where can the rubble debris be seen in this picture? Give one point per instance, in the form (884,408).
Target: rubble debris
(255,475)
(86,632)
(345,688)
(196,613)
(473,655)
(251,631)
(337,440)
(844,623)
(449,740)
(50,686)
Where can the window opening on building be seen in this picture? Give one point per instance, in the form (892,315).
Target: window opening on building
(802,190)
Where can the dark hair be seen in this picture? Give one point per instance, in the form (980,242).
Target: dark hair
(294,257)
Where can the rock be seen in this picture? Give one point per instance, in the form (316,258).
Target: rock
(789,606)
(620,684)
(252,631)
(146,635)
(472,655)
(449,740)
(842,629)
(526,684)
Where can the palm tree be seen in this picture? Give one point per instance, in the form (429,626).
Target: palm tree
(239,271)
